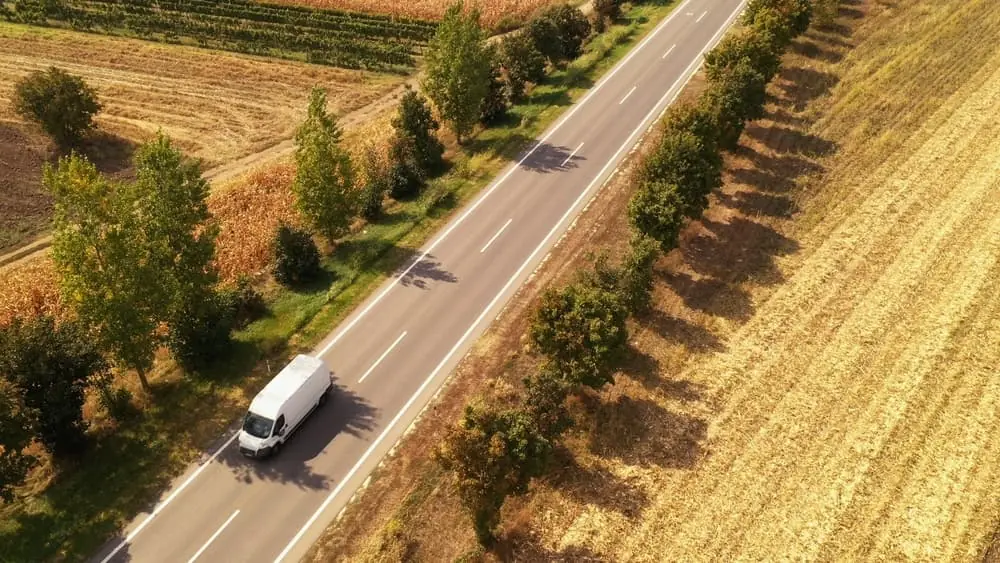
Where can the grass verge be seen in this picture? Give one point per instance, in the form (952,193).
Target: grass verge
(69,511)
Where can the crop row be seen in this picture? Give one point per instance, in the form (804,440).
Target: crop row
(322,36)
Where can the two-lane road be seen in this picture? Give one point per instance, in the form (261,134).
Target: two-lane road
(392,355)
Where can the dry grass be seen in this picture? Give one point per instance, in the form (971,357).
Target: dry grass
(817,380)
(493,11)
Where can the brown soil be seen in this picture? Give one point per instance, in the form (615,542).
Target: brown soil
(816,380)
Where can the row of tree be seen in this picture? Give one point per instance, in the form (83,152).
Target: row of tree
(581,330)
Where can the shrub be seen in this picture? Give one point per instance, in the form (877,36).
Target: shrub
(405,177)
(656,210)
(50,366)
(200,332)
(610,9)
(734,97)
(493,454)
(581,329)
(415,123)
(545,400)
(244,301)
(692,165)
(522,63)
(497,100)
(377,184)
(558,32)
(754,47)
(637,272)
(62,104)
(15,436)
(296,257)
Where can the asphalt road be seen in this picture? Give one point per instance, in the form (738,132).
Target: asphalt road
(391,356)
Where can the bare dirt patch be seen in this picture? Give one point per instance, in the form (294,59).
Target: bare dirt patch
(817,378)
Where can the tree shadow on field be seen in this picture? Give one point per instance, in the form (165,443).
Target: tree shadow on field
(110,153)
(752,203)
(641,432)
(692,336)
(596,485)
(738,250)
(521,544)
(801,84)
(813,50)
(711,295)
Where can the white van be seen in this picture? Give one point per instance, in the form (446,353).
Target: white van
(281,406)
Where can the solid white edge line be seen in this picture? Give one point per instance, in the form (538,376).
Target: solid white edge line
(382,357)
(128,539)
(212,539)
(670,50)
(497,183)
(496,236)
(643,125)
(703,14)
(571,155)
(156,510)
(627,95)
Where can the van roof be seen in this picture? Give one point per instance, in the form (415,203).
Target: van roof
(268,402)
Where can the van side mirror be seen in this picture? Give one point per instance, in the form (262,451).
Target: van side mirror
(281,432)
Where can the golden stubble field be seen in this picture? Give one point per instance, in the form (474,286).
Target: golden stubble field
(216,106)
(818,379)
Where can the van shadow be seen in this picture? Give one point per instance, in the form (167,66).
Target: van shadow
(344,413)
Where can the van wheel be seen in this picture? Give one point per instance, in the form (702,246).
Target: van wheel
(276,448)
(323,398)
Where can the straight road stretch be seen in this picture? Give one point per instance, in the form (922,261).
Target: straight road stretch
(392,354)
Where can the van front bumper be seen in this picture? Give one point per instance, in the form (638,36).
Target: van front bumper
(248,452)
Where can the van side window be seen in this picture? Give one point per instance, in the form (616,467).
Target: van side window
(279,424)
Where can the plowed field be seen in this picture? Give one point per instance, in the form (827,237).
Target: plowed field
(818,380)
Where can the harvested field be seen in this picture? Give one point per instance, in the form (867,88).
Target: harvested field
(817,380)
(215,106)
(493,11)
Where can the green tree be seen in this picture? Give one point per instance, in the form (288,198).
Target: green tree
(637,272)
(571,30)
(377,183)
(581,329)
(62,104)
(497,100)
(609,9)
(406,176)
(107,274)
(50,366)
(522,63)
(493,454)
(15,436)
(754,47)
(458,69)
(296,257)
(657,211)
(324,177)
(734,97)
(415,123)
(685,160)
(545,401)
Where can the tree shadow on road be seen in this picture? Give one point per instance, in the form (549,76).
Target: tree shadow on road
(425,272)
(550,158)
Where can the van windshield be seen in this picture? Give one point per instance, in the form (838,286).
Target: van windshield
(256,425)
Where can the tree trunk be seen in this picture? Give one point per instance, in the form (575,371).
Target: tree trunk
(143,380)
